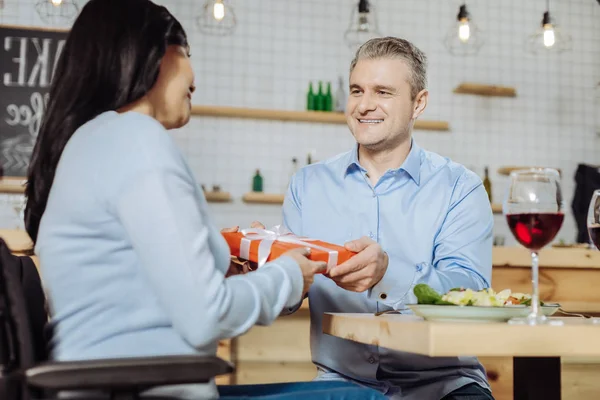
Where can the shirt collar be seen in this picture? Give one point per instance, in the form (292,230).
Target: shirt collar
(412,164)
(351,161)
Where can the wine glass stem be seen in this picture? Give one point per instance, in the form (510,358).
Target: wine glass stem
(535,296)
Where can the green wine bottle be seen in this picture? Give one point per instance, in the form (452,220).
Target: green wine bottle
(328,98)
(310,98)
(257,182)
(320,99)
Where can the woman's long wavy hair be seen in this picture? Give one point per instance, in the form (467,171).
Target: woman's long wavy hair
(111,58)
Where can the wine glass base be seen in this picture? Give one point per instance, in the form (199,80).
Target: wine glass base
(535,320)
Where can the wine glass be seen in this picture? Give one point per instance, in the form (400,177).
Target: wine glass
(534,211)
(593,222)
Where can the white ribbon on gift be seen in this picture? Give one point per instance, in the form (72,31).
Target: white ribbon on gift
(276,234)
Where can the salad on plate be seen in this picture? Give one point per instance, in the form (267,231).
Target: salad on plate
(468,297)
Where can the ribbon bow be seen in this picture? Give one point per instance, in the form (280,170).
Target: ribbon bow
(277,234)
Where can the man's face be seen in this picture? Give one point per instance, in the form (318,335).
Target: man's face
(380,110)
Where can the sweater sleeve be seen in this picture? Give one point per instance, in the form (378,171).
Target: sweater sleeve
(160,211)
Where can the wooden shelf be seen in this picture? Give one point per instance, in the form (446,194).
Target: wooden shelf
(508,169)
(16,187)
(263,198)
(496,208)
(217,197)
(485,90)
(12,186)
(426,125)
(296,116)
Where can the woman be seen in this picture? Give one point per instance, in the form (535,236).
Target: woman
(131,259)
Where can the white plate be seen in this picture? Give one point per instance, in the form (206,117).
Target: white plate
(476,313)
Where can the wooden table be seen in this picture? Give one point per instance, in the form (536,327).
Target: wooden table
(281,352)
(569,276)
(536,350)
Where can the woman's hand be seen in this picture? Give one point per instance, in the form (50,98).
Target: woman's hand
(256,224)
(308,267)
(239,267)
(236,266)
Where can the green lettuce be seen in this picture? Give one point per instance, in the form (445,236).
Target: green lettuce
(427,295)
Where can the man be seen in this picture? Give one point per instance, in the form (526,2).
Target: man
(421,218)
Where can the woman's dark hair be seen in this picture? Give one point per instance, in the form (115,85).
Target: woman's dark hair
(111,58)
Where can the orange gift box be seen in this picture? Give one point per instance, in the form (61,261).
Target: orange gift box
(262,245)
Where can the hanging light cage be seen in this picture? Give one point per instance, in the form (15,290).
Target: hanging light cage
(210,25)
(58,12)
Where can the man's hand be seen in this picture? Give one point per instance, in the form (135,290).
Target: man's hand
(364,270)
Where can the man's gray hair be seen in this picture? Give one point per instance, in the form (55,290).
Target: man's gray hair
(396,48)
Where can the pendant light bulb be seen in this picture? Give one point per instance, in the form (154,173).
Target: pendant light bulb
(464,37)
(363,25)
(219,10)
(57,3)
(464,31)
(549,38)
(216,18)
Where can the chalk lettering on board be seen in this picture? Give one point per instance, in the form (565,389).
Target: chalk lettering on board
(28,60)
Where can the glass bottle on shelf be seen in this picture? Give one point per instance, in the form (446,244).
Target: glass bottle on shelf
(310,157)
(257,182)
(487,184)
(328,101)
(320,98)
(293,170)
(310,98)
(294,167)
(340,96)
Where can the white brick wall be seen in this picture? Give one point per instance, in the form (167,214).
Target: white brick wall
(280,45)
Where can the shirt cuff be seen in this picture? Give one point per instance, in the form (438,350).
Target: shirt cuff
(395,292)
(294,308)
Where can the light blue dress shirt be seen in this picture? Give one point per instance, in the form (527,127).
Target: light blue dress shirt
(433,218)
(131,259)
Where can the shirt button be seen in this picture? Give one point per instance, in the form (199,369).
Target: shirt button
(371,235)
(383,296)
(371,360)
(374,194)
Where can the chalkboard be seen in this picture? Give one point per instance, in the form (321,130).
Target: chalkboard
(28,59)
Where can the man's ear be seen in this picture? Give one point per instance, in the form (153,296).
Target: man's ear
(420,103)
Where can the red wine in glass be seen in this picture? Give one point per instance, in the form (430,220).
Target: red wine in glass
(535,230)
(594,231)
(534,211)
